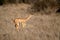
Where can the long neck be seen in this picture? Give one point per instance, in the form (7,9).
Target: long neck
(28,17)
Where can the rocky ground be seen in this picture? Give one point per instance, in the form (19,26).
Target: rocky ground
(39,27)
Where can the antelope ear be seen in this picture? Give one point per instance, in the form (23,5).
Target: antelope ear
(32,15)
(13,20)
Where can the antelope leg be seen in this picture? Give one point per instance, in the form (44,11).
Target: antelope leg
(17,26)
(23,24)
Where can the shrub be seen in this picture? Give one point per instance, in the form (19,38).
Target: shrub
(1,2)
(43,4)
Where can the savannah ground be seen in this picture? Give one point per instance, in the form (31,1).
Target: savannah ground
(39,27)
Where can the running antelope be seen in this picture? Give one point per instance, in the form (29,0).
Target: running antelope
(21,21)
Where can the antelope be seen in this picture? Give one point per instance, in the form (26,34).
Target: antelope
(21,21)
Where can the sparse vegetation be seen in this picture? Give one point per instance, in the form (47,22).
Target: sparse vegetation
(39,27)
(36,5)
(44,4)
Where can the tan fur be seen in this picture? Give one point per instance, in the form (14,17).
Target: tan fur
(22,21)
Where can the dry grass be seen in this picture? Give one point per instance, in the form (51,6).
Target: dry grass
(39,27)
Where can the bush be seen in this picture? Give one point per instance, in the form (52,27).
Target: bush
(43,5)
(11,1)
(1,2)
